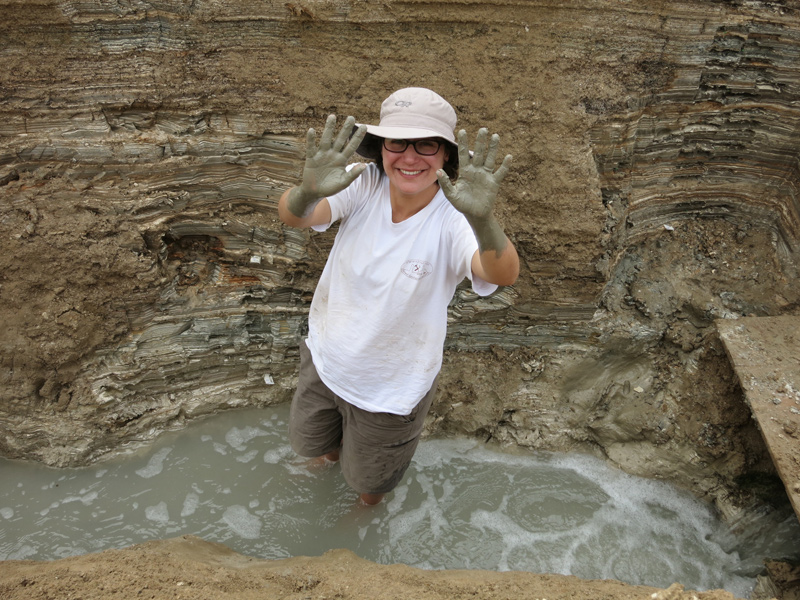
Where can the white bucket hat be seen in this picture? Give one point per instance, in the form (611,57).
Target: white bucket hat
(411,114)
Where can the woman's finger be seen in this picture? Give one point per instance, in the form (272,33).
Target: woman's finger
(344,133)
(491,155)
(480,147)
(327,133)
(503,170)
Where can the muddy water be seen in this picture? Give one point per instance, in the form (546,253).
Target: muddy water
(234,480)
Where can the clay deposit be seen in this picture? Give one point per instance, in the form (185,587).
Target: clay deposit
(147,281)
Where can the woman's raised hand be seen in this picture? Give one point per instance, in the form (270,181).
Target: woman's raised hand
(324,173)
(475,190)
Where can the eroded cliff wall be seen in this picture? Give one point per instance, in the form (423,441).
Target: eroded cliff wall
(146,278)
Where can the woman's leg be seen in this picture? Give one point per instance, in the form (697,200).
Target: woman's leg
(315,424)
(377,448)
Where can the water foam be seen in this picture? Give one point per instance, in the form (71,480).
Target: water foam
(460,505)
(190,504)
(158,513)
(242,522)
(155,465)
(238,438)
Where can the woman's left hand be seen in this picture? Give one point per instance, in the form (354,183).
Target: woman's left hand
(475,190)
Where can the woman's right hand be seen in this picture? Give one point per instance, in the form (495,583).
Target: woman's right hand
(324,173)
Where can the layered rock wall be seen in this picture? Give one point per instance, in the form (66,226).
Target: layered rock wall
(146,278)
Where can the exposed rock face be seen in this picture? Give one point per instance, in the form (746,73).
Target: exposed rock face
(146,278)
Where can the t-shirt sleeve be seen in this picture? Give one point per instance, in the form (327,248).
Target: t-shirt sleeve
(481,286)
(465,246)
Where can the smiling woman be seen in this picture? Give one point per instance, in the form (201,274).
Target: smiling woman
(412,227)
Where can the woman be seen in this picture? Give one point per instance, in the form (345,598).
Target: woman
(408,236)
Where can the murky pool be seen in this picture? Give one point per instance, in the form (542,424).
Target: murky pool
(233,479)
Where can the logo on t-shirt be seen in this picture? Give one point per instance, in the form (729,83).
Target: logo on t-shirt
(417,269)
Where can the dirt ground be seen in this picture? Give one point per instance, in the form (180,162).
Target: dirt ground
(191,568)
(145,279)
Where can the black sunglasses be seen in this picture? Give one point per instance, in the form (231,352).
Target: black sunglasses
(422,147)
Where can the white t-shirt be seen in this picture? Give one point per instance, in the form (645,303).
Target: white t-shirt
(378,318)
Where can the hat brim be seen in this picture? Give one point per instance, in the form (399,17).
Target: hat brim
(370,146)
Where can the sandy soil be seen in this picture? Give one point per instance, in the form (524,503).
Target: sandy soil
(191,568)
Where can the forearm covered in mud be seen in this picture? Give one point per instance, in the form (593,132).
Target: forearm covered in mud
(299,210)
(497,259)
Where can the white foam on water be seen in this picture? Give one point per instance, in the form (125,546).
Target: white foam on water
(86,499)
(155,465)
(238,438)
(279,454)
(114,519)
(247,456)
(428,517)
(395,502)
(242,522)
(26,551)
(430,455)
(510,535)
(158,513)
(641,520)
(7,513)
(190,504)
(297,465)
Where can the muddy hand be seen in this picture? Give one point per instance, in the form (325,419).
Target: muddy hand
(324,173)
(475,191)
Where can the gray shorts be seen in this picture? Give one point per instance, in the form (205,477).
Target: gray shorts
(375,449)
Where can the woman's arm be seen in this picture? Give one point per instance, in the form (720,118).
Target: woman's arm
(474,194)
(316,214)
(498,267)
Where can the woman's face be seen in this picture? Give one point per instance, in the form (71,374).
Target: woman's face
(411,173)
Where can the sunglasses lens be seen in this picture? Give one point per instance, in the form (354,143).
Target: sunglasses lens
(426,147)
(395,145)
(423,147)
